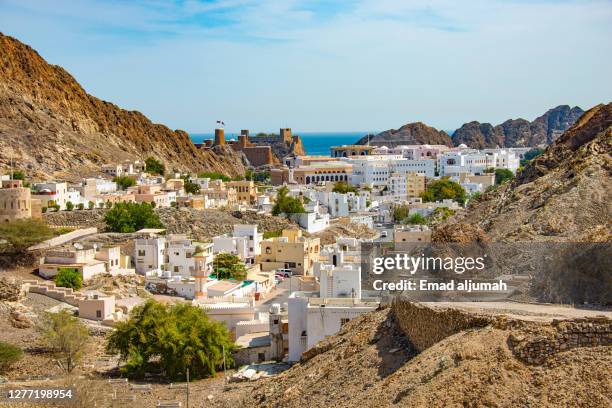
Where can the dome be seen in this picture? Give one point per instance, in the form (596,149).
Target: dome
(462,146)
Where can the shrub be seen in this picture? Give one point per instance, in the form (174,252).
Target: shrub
(444,189)
(285,204)
(21,234)
(9,355)
(80,206)
(69,278)
(344,187)
(124,182)
(69,206)
(190,187)
(272,234)
(503,175)
(228,266)
(417,219)
(131,217)
(66,337)
(91,205)
(213,175)
(173,339)
(154,166)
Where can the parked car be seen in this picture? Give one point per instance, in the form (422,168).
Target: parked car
(384,234)
(286,273)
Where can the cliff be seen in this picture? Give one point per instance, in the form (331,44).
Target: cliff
(518,132)
(409,134)
(51,127)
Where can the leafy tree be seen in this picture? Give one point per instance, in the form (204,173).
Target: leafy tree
(213,175)
(190,186)
(400,213)
(286,204)
(530,155)
(444,189)
(69,278)
(67,338)
(69,206)
(489,170)
(91,205)
(20,175)
(173,339)
(228,266)
(503,175)
(261,176)
(131,217)
(154,166)
(416,219)
(124,182)
(16,236)
(343,187)
(80,206)
(9,355)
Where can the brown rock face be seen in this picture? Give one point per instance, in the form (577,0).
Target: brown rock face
(413,133)
(51,127)
(563,195)
(519,132)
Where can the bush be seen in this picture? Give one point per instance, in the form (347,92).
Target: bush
(69,278)
(69,206)
(171,339)
(400,213)
(444,189)
(154,166)
(416,219)
(213,175)
(124,182)
(66,337)
(272,234)
(285,204)
(343,187)
(21,234)
(503,175)
(9,355)
(91,205)
(131,217)
(228,266)
(80,206)
(190,187)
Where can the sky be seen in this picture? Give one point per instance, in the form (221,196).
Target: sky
(346,65)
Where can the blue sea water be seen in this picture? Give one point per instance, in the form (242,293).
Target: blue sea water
(315,143)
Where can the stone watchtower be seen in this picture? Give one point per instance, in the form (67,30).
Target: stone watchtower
(285,135)
(243,139)
(219,137)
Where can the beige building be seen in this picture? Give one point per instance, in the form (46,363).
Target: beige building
(15,201)
(317,172)
(410,234)
(246,192)
(415,184)
(487,179)
(289,251)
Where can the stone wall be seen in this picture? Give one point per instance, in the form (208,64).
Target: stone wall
(566,335)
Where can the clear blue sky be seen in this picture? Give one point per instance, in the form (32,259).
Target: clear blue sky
(326,65)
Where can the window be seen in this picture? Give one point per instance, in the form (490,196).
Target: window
(268,250)
(99,314)
(141,252)
(275,321)
(176,269)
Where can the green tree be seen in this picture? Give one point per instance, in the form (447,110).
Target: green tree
(214,176)
(17,236)
(416,219)
(91,205)
(530,155)
(444,189)
(400,212)
(124,182)
(69,278)
(154,166)
(228,266)
(190,186)
(20,175)
(66,337)
(286,204)
(80,206)
(343,187)
(69,206)
(131,217)
(173,339)
(9,355)
(503,175)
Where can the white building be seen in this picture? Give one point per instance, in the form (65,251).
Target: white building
(472,161)
(244,242)
(340,205)
(376,170)
(51,193)
(149,254)
(312,318)
(182,254)
(313,220)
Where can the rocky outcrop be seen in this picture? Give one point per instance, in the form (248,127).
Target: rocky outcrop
(413,133)
(518,132)
(51,127)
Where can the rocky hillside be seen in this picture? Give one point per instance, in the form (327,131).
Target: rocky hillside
(519,132)
(51,127)
(410,134)
(411,356)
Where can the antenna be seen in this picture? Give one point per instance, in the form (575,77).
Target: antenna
(11,167)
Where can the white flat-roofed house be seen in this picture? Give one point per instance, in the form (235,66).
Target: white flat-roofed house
(83,260)
(244,242)
(376,170)
(149,254)
(471,161)
(49,193)
(182,254)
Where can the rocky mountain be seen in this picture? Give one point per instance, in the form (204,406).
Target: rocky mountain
(51,127)
(519,132)
(411,133)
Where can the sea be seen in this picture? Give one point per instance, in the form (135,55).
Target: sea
(315,143)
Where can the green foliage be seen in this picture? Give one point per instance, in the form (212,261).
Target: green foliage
(154,166)
(63,230)
(124,182)
(101,205)
(368,203)
(91,205)
(489,170)
(343,187)
(17,236)
(530,155)
(503,175)
(69,278)
(20,175)
(261,176)
(213,175)
(272,234)
(285,204)
(416,219)
(173,339)
(9,355)
(190,186)
(131,217)
(80,206)
(228,266)
(56,207)
(441,213)
(400,213)
(66,337)
(108,204)
(69,206)
(43,210)
(444,189)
